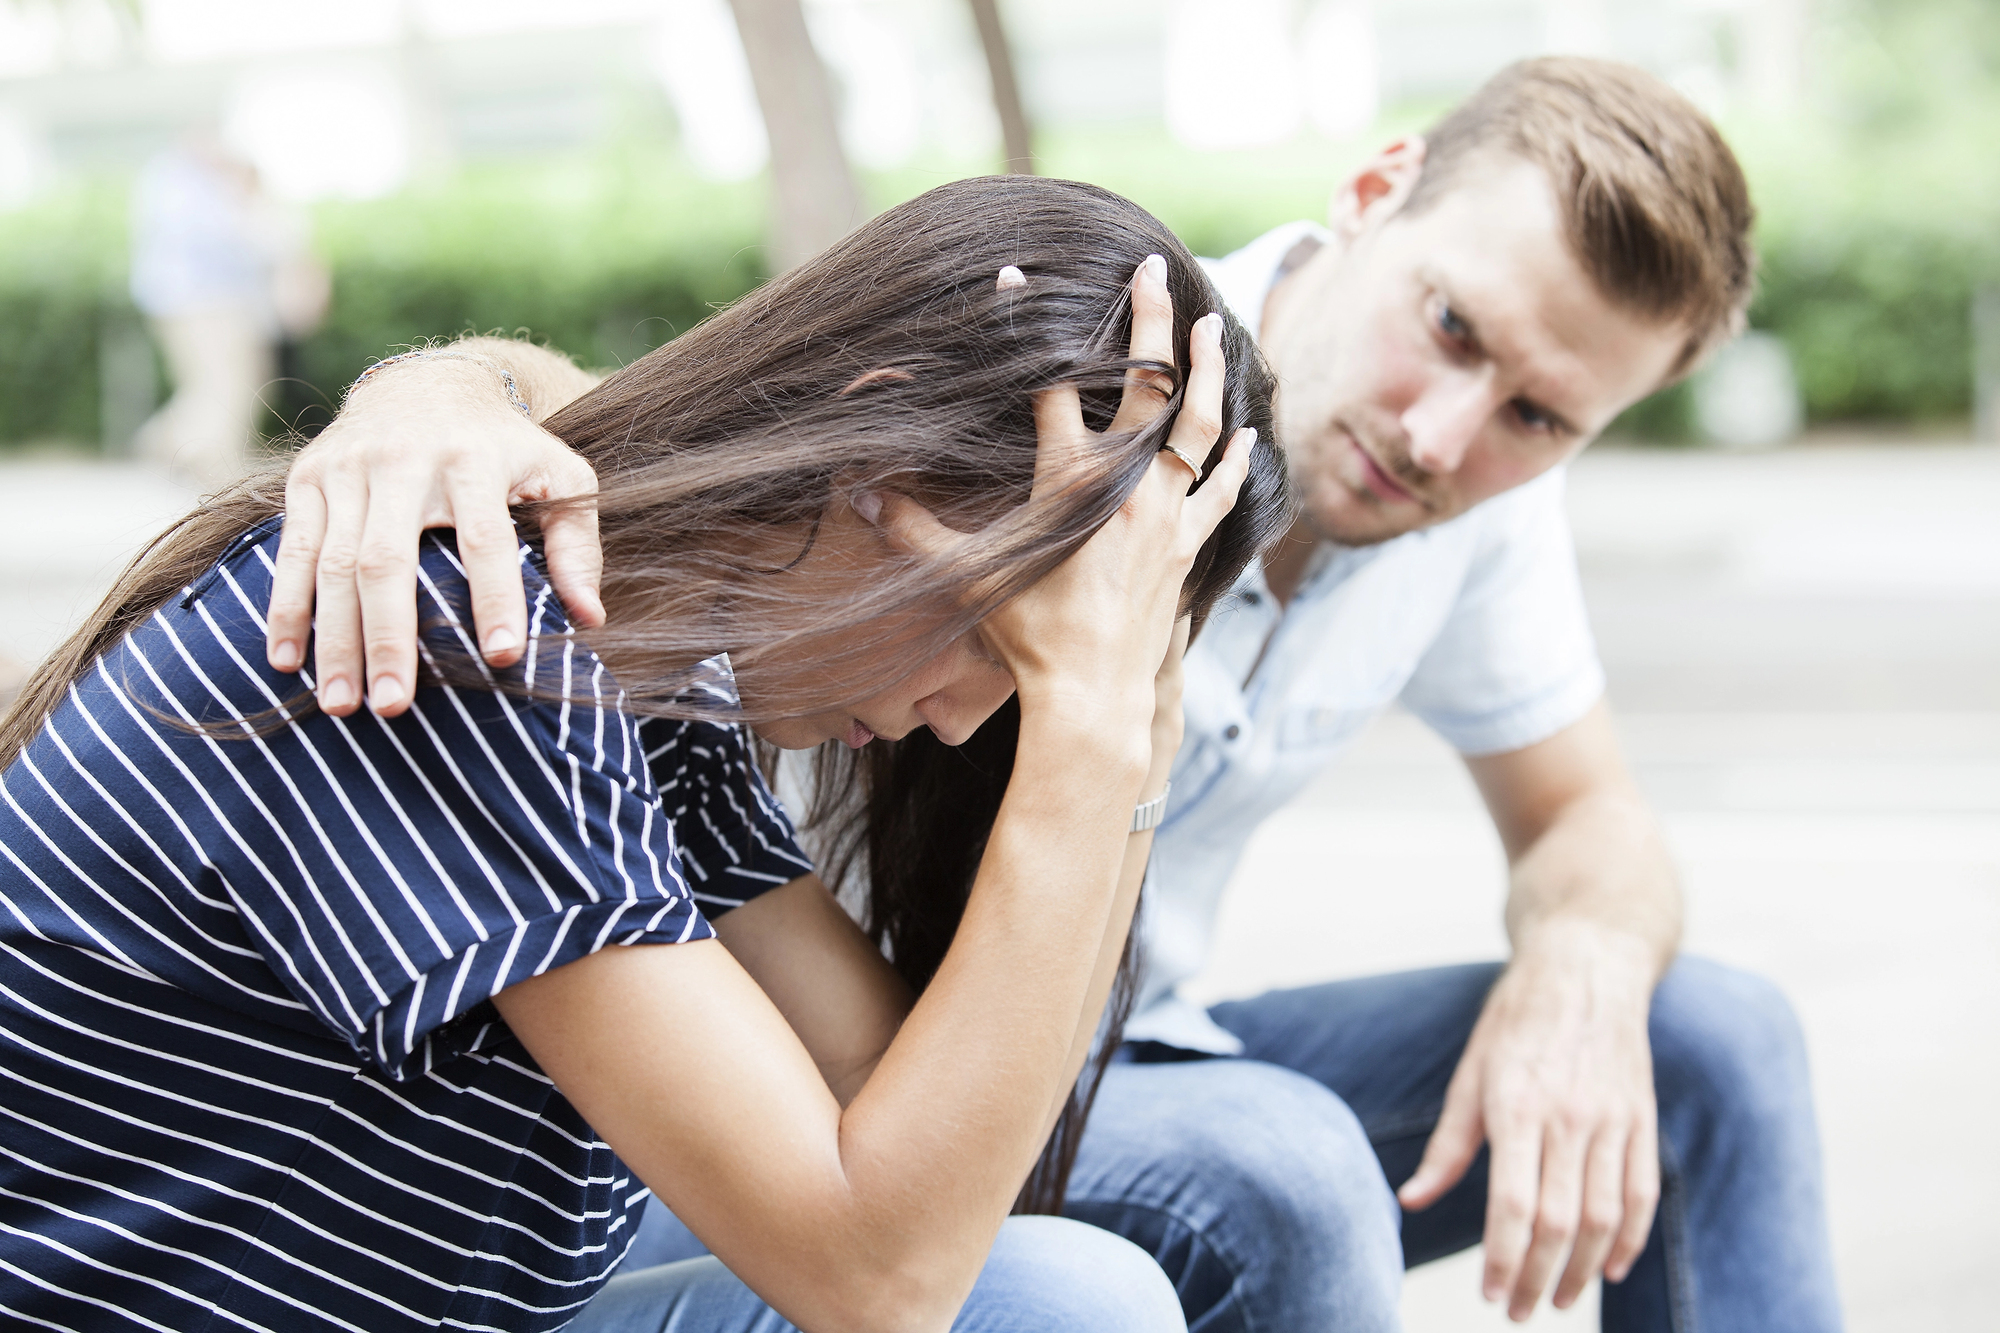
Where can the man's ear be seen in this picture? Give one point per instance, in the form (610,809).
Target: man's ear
(1378,189)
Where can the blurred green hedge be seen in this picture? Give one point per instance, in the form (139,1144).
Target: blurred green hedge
(603,258)
(1871,255)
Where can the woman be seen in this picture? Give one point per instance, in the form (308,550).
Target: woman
(321,1021)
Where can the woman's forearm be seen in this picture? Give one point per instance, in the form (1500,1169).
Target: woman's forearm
(880,1216)
(965,1096)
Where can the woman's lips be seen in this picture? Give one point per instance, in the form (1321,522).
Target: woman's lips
(858,735)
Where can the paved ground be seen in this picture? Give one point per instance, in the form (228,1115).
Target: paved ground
(1805,651)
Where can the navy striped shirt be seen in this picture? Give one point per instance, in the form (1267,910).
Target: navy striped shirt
(250,1074)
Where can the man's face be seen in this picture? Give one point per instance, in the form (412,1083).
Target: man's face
(1428,363)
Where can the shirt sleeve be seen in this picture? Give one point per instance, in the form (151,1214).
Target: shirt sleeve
(734,837)
(1515,662)
(398,874)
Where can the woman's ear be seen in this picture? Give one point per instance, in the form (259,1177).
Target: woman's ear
(878,375)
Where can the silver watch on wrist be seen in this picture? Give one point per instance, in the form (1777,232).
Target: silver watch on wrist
(1150,814)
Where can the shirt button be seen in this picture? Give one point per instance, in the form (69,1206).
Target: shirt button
(1231,732)
(1253,599)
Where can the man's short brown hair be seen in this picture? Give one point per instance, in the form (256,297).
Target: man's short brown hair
(1654,205)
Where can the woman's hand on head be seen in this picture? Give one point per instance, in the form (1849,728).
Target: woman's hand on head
(1096,631)
(430,444)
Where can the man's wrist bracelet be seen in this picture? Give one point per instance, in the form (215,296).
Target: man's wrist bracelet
(1150,814)
(447,354)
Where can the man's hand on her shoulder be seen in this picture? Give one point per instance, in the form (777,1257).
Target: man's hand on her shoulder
(432,442)
(1558,1078)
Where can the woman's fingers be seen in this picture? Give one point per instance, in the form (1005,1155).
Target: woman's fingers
(906,524)
(1207,507)
(1062,440)
(1147,391)
(1200,420)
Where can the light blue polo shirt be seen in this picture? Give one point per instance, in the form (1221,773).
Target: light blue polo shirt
(1476,625)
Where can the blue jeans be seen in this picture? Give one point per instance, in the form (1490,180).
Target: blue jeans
(1044,1275)
(1263,1185)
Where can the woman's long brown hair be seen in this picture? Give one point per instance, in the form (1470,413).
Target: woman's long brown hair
(891,362)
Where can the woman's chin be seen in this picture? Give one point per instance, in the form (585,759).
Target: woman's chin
(805,733)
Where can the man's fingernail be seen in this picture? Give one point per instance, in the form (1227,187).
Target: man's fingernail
(285,655)
(500,641)
(1211,327)
(867,504)
(386,692)
(335,693)
(1011,277)
(1156,267)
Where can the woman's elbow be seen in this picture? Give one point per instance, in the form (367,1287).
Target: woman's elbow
(911,1296)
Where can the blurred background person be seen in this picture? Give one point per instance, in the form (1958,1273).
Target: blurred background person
(224,273)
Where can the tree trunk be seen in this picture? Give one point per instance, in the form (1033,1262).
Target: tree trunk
(1015,135)
(814,198)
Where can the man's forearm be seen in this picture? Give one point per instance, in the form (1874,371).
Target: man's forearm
(1601,868)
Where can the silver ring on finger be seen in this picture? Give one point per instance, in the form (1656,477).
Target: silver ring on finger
(1181,454)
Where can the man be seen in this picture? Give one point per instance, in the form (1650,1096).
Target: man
(1486,300)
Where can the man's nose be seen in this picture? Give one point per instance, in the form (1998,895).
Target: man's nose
(1443,423)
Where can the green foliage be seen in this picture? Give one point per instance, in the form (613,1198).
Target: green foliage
(62,270)
(604,260)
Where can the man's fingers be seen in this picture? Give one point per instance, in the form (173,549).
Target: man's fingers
(336,637)
(1603,1210)
(1642,1198)
(288,620)
(1555,1210)
(385,580)
(1555,1214)
(1461,1128)
(570,543)
(1146,392)
(489,548)
(1513,1190)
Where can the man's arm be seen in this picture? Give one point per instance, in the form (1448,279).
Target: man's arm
(1558,1072)
(432,442)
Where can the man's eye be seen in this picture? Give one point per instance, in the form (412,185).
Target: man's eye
(1533,417)
(1450,325)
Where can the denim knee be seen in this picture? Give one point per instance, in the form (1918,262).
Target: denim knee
(1727,1042)
(1053,1275)
(1256,1184)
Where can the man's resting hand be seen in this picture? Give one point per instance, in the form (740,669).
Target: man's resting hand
(431,442)
(1558,1076)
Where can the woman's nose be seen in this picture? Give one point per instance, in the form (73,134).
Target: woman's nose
(962,706)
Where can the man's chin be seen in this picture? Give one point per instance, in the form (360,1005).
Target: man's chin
(1360,525)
